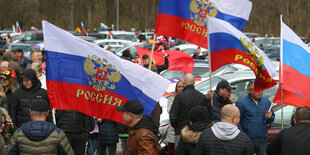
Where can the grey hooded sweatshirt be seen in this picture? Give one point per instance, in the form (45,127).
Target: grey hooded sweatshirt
(223,138)
(225,131)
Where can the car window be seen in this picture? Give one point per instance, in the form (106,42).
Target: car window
(113,43)
(170,75)
(130,37)
(190,51)
(288,111)
(242,90)
(29,37)
(24,48)
(203,72)
(204,86)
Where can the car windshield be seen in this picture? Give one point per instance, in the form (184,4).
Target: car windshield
(190,51)
(130,37)
(170,75)
(204,86)
(24,48)
(30,36)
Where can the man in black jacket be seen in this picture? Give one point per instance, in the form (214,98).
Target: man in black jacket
(220,99)
(224,137)
(293,140)
(182,104)
(21,99)
(76,126)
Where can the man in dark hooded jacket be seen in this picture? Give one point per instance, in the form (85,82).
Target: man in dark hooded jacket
(39,136)
(21,99)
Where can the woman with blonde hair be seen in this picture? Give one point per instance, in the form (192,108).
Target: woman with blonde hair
(170,131)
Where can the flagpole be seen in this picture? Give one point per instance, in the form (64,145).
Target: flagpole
(153,46)
(281,75)
(209,53)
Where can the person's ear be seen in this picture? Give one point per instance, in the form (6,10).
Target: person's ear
(295,122)
(31,114)
(48,113)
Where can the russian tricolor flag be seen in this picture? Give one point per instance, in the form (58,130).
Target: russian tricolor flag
(84,30)
(295,70)
(187,19)
(229,45)
(82,76)
(18,29)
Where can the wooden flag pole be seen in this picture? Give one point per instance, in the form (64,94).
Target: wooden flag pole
(209,56)
(281,74)
(153,46)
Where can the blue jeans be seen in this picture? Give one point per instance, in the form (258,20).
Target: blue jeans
(259,146)
(92,144)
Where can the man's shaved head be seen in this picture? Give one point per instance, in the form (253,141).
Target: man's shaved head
(230,114)
(189,79)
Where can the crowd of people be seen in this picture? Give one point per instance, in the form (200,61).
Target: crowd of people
(198,123)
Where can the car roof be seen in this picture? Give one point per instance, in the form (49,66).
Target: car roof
(116,32)
(112,40)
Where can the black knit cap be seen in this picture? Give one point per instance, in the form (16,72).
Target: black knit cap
(132,106)
(199,114)
(39,105)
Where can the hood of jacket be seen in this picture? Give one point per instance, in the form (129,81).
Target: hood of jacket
(9,56)
(37,130)
(31,75)
(146,122)
(192,133)
(225,131)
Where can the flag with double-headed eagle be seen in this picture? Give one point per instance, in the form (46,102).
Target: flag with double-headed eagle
(187,19)
(84,77)
(229,45)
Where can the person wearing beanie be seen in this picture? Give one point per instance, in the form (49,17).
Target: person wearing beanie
(29,91)
(39,136)
(198,121)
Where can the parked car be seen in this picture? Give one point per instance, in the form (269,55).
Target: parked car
(142,36)
(122,35)
(199,77)
(269,45)
(251,35)
(27,49)
(14,35)
(87,38)
(190,49)
(31,38)
(132,49)
(14,46)
(115,43)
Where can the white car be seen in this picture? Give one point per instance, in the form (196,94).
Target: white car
(122,35)
(114,43)
(203,75)
(190,49)
(14,35)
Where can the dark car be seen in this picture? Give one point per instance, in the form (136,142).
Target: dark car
(31,38)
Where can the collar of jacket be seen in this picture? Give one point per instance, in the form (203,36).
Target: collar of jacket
(189,87)
(221,99)
(253,100)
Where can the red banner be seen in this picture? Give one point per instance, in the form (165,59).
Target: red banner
(178,60)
